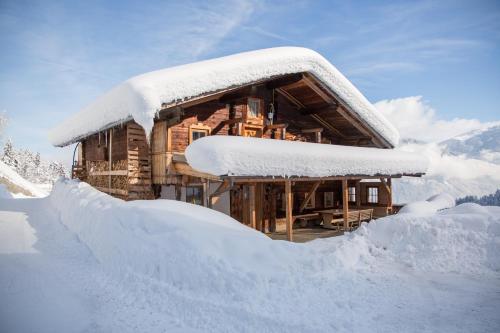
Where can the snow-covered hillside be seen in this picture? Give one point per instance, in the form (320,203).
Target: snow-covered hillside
(468,164)
(81,261)
(17,185)
(483,144)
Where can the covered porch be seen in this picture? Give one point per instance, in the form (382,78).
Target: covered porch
(308,207)
(280,186)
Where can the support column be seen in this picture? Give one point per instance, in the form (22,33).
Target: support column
(389,199)
(289,207)
(251,206)
(345,203)
(110,160)
(272,219)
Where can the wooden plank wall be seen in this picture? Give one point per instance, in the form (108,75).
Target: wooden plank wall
(159,156)
(139,166)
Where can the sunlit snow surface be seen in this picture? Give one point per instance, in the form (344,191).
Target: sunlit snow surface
(104,265)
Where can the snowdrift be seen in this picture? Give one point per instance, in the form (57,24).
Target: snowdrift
(162,265)
(191,246)
(14,183)
(176,242)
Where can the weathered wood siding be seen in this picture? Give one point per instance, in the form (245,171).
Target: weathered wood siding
(139,166)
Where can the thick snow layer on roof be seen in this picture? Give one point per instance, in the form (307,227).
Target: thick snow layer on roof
(140,97)
(244,156)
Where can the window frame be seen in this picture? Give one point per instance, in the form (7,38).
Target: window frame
(351,196)
(325,199)
(369,195)
(259,114)
(194,202)
(198,128)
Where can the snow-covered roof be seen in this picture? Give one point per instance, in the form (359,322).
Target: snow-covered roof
(244,156)
(141,97)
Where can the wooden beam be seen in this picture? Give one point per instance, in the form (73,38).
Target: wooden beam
(345,203)
(292,99)
(276,179)
(310,83)
(185,169)
(289,210)
(327,124)
(235,95)
(251,206)
(312,130)
(223,187)
(232,121)
(309,195)
(109,173)
(284,81)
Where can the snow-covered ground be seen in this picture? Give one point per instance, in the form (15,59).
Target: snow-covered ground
(81,261)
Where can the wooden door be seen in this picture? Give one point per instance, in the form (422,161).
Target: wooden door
(159,152)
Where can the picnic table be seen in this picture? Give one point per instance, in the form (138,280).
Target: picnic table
(328,215)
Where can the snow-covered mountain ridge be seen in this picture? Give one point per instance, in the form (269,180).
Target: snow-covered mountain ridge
(467,164)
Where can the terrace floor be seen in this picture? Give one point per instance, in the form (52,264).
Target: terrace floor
(302,235)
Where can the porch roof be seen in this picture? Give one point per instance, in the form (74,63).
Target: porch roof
(254,157)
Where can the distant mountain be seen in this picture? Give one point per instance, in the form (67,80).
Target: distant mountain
(468,164)
(483,144)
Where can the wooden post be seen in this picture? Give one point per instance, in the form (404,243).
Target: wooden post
(272,218)
(251,205)
(259,216)
(110,153)
(358,193)
(345,203)
(289,207)
(206,186)
(178,192)
(387,186)
(389,199)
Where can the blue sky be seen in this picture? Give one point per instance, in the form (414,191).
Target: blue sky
(57,56)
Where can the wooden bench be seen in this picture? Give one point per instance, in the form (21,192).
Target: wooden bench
(303,218)
(354,218)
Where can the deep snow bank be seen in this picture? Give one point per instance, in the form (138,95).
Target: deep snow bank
(183,244)
(198,248)
(430,206)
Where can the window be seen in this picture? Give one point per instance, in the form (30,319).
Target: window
(198,131)
(372,195)
(196,134)
(328,198)
(194,195)
(352,193)
(312,202)
(253,108)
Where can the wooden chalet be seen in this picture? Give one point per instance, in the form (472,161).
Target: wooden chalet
(123,159)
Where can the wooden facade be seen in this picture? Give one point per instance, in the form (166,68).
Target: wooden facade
(121,161)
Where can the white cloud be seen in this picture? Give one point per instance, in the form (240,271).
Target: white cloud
(415,119)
